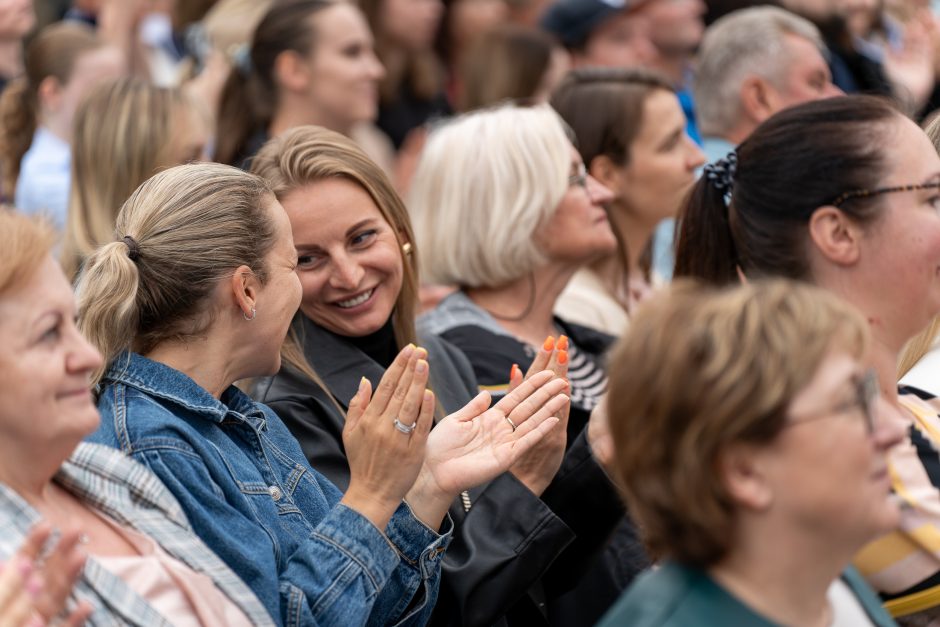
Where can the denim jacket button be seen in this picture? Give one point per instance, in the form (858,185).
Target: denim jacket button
(275,492)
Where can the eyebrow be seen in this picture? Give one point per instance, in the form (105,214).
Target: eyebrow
(359,225)
(308,248)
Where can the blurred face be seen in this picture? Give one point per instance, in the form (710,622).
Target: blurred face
(412,24)
(900,250)
(842,496)
(578,231)
(46,363)
(675,26)
(663,160)
(349,258)
(16,18)
(279,297)
(620,41)
(344,72)
(90,69)
(807,77)
(469,19)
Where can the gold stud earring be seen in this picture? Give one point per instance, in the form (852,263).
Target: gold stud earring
(406,248)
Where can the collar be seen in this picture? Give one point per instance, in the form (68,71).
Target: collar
(160,381)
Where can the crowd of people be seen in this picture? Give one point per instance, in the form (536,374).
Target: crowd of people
(469,312)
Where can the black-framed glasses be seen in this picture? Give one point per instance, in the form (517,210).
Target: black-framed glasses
(866,393)
(579,178)
(867,193)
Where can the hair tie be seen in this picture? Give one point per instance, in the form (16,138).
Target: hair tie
(133,248)
(721,174)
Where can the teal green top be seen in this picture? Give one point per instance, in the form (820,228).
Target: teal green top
(677,596)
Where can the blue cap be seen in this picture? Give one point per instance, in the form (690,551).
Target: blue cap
(573,20)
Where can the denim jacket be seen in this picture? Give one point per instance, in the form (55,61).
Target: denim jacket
(253,498)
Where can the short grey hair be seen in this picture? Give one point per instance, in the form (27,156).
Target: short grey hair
(745,43)
(485,183)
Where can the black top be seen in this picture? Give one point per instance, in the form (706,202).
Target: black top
(508,555)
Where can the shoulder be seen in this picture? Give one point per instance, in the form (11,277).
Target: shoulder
(676,596)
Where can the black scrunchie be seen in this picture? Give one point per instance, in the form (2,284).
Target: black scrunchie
(133,248)
(721,173)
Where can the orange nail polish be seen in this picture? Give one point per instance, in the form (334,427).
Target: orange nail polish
(563,343)
(549,343)
(562,357)
(512,371)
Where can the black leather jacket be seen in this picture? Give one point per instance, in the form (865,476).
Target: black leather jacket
(508,558)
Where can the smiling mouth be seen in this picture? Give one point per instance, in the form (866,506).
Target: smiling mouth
(357,300)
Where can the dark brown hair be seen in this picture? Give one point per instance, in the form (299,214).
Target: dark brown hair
(799,160)
(250,95)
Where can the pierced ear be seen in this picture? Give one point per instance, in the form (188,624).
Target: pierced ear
(744,479)
(756,99)
(245,287)
(834,235)
(291,71)
(606,172)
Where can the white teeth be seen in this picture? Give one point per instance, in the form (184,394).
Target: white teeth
(358,300)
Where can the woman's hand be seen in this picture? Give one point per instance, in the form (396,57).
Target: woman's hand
(476,444)
(538,466)
(598,435)
(385,436)
(34,591)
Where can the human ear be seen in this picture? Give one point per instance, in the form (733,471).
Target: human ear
(49,93)
(607,173)
(291,71)
(743,476)
(245,288)
(834,235)
(757,97)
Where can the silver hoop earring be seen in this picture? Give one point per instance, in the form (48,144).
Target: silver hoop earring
(254,312)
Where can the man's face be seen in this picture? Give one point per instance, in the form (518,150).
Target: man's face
(620,41)
(807,77)
(675,26)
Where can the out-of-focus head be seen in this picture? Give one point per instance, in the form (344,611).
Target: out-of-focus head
(609,34)
(753,63)
(725,407)
(631,134)
(498,193)
(511,62)
(675,26)
(62,63)
(865,220)
(125,131)
(47,364)
(317,54)
(349,226)
(410,25)
(17,18)
(195,246)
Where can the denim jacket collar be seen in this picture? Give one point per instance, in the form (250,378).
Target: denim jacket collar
(162,381)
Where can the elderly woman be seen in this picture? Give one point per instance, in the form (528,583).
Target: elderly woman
(725,409)
(145,566)
(869,231)
(359,274)
(198,292)
(503,207)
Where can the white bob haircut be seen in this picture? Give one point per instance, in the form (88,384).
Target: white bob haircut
(743,44)
(485,182)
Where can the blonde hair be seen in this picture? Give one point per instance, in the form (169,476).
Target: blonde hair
(699,370)
(52,53)
(122,136)
(24,244)
(920,344)
(485,182)
(190,226)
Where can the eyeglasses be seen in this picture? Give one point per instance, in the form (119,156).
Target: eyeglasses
(867,193)
(866,392)
(579,178)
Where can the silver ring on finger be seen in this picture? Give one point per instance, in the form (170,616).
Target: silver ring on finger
(511,423)
(406,429)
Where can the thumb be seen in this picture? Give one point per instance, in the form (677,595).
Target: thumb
(479,404)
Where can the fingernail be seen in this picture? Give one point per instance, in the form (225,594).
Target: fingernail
(563,343)
(513,370)
(562,357)
(34,586)
(409,349)
(421,366)
(362,384)
(422,352)
(549,343)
